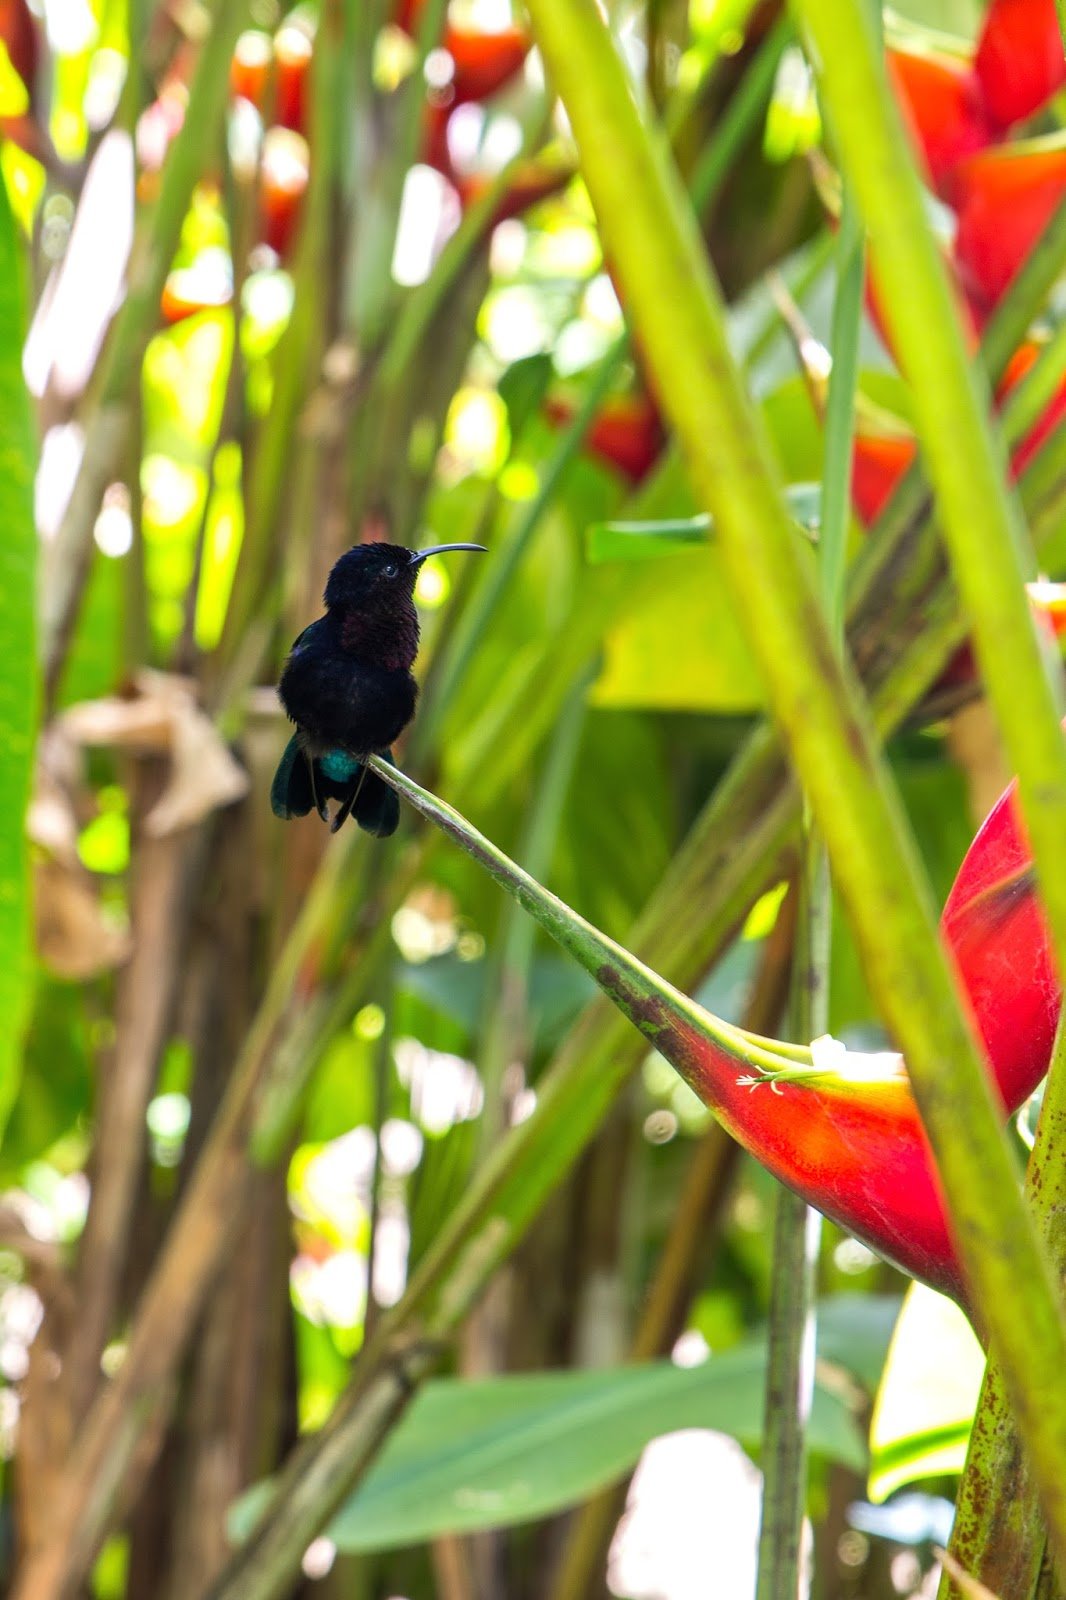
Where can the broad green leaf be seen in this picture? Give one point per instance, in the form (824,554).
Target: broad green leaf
(646,540)
(921,1421)
(680,648)
(18,673)
(499,1451)
(855,1332)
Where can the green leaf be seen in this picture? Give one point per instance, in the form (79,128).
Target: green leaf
(646,540)
(855,1332)
(18,673)
(925,1406)
(681,647)
(498,1451)
(643,541)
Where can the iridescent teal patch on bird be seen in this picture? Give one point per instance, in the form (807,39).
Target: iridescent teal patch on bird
(338,765)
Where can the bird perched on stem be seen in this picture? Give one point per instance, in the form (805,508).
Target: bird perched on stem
(347,686)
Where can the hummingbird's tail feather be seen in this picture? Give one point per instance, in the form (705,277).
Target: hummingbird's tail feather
(291,793)
(301,786)
(376,807)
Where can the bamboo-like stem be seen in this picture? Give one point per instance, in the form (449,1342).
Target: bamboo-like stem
(999,1533)
(990,552)
(70,552)
(112,1430)
(797,1227)
(648,231)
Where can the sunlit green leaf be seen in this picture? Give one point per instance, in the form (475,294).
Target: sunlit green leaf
(921,1422)
(488,1454)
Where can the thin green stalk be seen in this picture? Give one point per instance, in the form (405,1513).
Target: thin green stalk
(648,231)
(840,419)
(797,1237)
(798,1227)
(740,115)
(1026,404)
(990,552)
(70,552)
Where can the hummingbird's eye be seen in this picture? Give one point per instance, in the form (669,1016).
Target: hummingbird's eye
(390,571)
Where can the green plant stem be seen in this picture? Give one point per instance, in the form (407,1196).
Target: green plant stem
(70,552)
(990,552)
(1026,404)
(738,119)
(797,1236)
(647,229)
(999,1535)
(798,1228)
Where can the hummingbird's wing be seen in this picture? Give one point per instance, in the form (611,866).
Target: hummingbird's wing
(291,794)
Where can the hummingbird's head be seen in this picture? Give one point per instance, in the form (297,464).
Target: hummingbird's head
(379,576)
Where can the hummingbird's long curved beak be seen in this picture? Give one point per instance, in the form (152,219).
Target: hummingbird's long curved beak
(419,556)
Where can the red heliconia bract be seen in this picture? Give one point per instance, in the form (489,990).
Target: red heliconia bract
(878,462)
(483,63)
(283,178)
(293,50)
(1019,62)
(1005,197)
(941,100)
(249,73)
(851,1141)
(18,30)
(1019,365)
(626,432)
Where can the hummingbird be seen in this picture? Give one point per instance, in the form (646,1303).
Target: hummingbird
(347,685)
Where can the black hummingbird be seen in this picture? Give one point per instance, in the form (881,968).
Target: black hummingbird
(347,685)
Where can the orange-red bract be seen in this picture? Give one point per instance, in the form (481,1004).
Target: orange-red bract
(1019,62)
(283,179)
(1006,197)
(941,100)
(484,63)
(627,431)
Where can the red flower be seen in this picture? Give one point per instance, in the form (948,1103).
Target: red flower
(627,431)
(484,63)
(849,1139)
(942,101)
(878,462)
(1020,62)
(283,178)
(1006,198)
